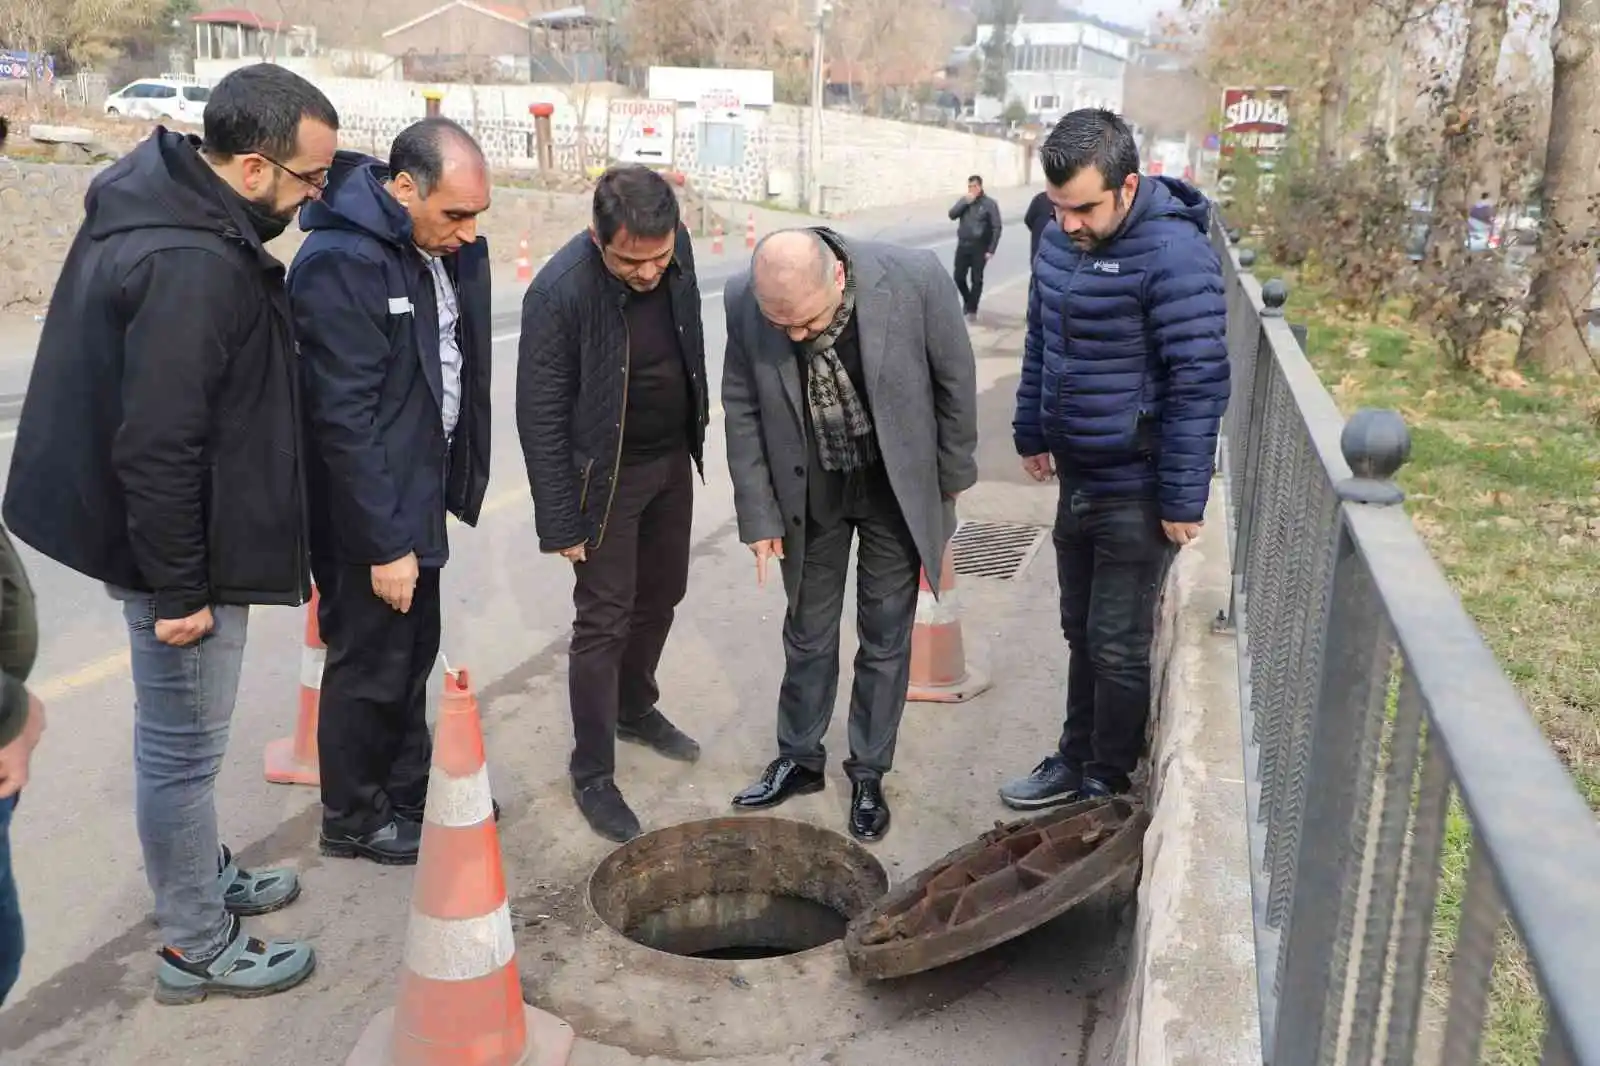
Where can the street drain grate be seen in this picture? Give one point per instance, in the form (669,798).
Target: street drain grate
(994,549)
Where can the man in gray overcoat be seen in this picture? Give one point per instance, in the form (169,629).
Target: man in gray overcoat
(851,400)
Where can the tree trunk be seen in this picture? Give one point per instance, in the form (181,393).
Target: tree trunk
(1555,336)
(1468,121)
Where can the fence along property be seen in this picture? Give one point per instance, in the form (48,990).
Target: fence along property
(1369,699)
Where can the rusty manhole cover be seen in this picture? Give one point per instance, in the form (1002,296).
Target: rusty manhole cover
(1010,880)
(736,888)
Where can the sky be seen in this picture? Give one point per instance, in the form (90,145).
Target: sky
(1134,13)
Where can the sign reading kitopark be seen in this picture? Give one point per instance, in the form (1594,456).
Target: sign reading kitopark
(1254,120)
(643,131)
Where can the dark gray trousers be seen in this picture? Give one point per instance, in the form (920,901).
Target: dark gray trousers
(887,570)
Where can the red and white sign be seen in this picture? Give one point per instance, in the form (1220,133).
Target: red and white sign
(720,105)
(643,131)
(1254,120)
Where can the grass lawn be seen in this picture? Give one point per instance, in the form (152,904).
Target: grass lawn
(1504,485)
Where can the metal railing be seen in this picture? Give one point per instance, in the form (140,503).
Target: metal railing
(1377,723)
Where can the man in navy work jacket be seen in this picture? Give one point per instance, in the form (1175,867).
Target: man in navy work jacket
(1124,381)
(391,309)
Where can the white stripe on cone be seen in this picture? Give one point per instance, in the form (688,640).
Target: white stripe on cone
(459,949)
(311,660)
(458,802)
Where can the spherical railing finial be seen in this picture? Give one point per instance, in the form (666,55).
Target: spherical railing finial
(1274,294)
(1376,444)
(1247,257)
(1234,234)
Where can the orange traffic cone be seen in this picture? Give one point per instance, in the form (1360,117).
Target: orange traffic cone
(939,670)
(716,237)
(460,1000)
(293,760)
(524,264)
(750,232)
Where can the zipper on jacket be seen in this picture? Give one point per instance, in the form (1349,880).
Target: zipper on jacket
(622,426)
(583,493)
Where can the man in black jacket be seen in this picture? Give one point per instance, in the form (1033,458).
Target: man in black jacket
(612,408)
(159,452)
(977,219)
(391,308)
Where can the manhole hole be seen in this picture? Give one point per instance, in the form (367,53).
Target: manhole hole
(736,888)
(994,549)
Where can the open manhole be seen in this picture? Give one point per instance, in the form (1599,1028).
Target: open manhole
(736,888)
(1012,879)
(993,549)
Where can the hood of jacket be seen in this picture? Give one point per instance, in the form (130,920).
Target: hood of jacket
(1161,197)
(164,183)
(355,199)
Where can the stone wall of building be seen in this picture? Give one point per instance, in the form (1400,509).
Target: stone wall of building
(41,205)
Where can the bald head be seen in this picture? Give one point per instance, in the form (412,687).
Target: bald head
(798,281)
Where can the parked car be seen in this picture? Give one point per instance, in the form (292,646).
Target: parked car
(159,98)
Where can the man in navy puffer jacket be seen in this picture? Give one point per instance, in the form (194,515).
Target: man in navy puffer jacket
(1124,382)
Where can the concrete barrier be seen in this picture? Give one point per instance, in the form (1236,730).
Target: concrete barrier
(1191,993)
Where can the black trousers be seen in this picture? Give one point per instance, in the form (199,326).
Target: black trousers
(1111,560)
(887,570)
(372,728)
(625,595)
(970,263)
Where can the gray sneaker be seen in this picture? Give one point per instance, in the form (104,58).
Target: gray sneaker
(248,893)
(245,969)
(1050,783)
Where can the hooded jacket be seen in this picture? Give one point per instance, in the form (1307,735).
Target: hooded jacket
(381,474)
(158,447)
(1125,369)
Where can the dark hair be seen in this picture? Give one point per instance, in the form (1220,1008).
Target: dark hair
(1090,137)
(5,130)
(634,198)
(420,147)
(975,177)
(258,109)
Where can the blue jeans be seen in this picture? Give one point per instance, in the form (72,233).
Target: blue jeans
(183,707)
(10,907)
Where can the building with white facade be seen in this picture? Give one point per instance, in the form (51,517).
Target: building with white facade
(1056,67)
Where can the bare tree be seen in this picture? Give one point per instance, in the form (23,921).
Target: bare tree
(84,30)
(1554,338)
(1468,129)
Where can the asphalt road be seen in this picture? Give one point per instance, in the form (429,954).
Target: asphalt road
(88,964)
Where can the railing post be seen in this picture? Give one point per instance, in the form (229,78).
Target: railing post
(1339,766)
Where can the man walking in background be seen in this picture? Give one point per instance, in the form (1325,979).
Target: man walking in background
(21,726)
(1126,419)
(391,305)
(612,410)
(977,219)
(159,451)
(851,400)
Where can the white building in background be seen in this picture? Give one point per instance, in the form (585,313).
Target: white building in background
(1056,67)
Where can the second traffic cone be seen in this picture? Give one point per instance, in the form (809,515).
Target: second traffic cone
(939,670)
(460,1001)
(294,760)
(750,231)
(524,264)
(716,236)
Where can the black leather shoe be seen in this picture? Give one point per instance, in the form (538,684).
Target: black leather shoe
(869,811)
(607,813)
(781,780)
(394,844)
(655,732)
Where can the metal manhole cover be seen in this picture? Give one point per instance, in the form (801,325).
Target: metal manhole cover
(994,549)
(1012,879)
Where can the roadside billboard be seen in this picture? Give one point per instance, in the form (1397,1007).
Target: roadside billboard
(1255,120)
(643,131)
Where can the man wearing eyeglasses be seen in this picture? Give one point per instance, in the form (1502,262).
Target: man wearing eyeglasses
(611,408)
(391,307)
(159,452)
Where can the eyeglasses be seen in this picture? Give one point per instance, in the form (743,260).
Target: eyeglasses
(318,183)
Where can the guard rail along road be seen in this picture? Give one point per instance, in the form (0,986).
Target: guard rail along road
(1377,727)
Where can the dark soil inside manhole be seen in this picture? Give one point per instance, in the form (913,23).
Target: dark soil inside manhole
(736,889)
(741,925)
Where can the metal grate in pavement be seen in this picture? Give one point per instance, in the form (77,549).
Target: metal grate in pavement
(994,549)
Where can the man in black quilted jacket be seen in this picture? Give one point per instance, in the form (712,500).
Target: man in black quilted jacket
(612,410)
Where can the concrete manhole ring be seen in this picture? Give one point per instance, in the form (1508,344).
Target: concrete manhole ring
(722,937)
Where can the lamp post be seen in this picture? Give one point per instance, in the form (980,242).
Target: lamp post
(814,143)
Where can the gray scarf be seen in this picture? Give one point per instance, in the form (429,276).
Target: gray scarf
(840,422)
